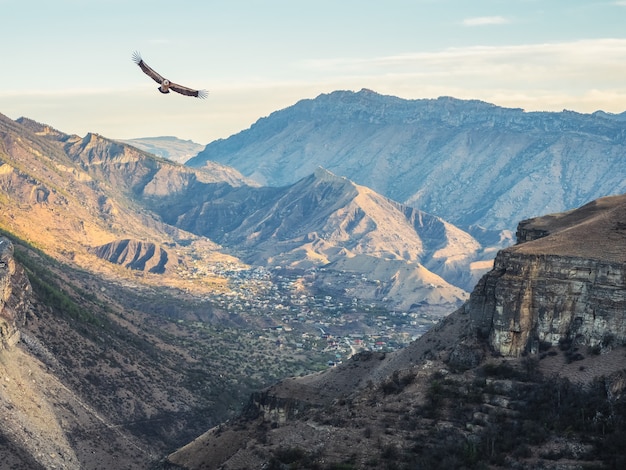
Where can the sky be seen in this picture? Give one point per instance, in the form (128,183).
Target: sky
(67,63)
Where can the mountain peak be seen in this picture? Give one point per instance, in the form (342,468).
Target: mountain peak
(323,174)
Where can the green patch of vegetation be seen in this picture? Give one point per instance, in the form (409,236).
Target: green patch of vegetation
(293,458)
(47,289)
(46,285)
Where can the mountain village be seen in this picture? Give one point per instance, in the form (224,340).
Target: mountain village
(326,321)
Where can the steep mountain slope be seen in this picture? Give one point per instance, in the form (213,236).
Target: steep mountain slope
(468,162)
(142,256)
(459,396)
(99,372)
(70,195)
(51,200)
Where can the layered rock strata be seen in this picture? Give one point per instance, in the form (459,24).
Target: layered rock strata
(564,282)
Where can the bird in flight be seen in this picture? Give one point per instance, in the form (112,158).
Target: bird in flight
(166,85)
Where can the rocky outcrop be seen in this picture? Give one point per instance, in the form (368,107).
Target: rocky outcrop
(14,296)
(275,409)
(134,254)
(565,282)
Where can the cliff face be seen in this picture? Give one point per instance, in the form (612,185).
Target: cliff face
(532,299)
(14,294)
(565,281)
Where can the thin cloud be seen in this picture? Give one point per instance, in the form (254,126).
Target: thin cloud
(485,20)
(553,73)
(583,54)
(584,76)
(62,92)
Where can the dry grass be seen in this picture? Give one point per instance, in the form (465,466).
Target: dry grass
(596,230)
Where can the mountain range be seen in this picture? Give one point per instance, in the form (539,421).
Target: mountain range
(118,194)
(475,165)
(145,301)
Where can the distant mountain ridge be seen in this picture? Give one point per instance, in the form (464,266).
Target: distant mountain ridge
(470,162)
(169,147)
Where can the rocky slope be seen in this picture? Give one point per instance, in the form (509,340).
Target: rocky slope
(134,254)
(42,418)
(468,162)
(462,395)
(14,296)
(71,196)
(52,200)
(106,372)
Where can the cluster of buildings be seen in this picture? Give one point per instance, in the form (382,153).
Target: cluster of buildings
(284,304)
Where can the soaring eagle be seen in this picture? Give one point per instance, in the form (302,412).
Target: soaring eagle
(164,84)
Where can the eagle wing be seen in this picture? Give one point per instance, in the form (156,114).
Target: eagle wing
(146,69)
(183,90)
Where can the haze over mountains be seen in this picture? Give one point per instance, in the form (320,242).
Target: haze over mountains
(169,147)
(163,294)
(471,163)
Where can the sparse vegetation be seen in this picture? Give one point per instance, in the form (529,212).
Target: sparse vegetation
(47,287)
(397,382)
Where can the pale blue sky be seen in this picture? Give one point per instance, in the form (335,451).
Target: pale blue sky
(68,62)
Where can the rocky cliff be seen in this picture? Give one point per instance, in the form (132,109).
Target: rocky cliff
(564,283)
(14,295)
